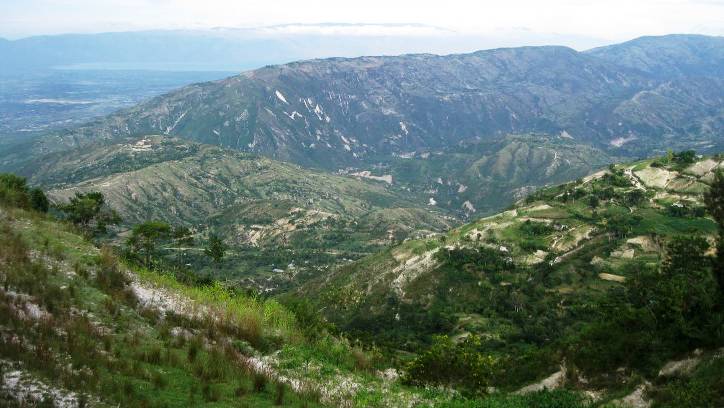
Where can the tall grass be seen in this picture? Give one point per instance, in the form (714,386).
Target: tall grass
(257,320)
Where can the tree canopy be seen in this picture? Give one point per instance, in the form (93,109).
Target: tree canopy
(14,191)
(90,213)
(145,238)
(215,248)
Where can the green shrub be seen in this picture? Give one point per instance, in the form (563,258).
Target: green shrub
(15,192)
(535,229)
(454,364)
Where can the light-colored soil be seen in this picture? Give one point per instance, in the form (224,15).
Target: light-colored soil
(655,177)
(555,380)
(612,278)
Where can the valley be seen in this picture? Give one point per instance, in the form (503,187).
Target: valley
(507,228)
(509,292)
(284,223)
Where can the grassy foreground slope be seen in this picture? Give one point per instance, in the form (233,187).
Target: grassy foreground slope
(78,326)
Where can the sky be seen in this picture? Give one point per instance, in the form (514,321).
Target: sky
(602,20)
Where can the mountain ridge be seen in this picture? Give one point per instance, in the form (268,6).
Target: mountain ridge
(364,100)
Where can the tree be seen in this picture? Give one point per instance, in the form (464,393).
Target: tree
(683,296)
(183,235)
(634,197)
(658,313)
(593,202)
(145,237)
(90,213)
(714,200)
(215,248)
(38,200)
(464,364)
(685,157)
(13,190)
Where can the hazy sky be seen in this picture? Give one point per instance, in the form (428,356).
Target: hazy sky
(602,19)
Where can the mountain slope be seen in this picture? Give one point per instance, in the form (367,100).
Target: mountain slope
(335,112)
(275,216)
(478,179)
(79,327)
(553,248)
(384,114)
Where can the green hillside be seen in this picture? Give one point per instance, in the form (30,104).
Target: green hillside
(476,179)
(81,327)
(527,286)
(570,299)
(272,215)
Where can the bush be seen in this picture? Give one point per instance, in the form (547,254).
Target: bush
(109,277)
(488,259)
(15,192)
(535,228)
(685,157)
(453,364)
(90,213)
(38,201)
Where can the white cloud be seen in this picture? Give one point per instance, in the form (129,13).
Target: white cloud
(611,19)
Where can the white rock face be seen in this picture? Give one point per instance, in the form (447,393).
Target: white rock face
(620,141)
(281,97)
(468,206)
(30,390)
(679,367)
(635,399)
(555,380)
(411,269)
(387,178)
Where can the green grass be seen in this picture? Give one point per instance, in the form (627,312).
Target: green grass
(125,353)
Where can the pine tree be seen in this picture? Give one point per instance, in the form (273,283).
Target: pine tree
(215,248)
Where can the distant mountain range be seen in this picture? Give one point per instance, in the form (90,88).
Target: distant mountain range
(397,115)
(237,49)
(335,112)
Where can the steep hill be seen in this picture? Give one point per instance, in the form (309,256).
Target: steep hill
(527,281)
(638,207)
(275,216)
